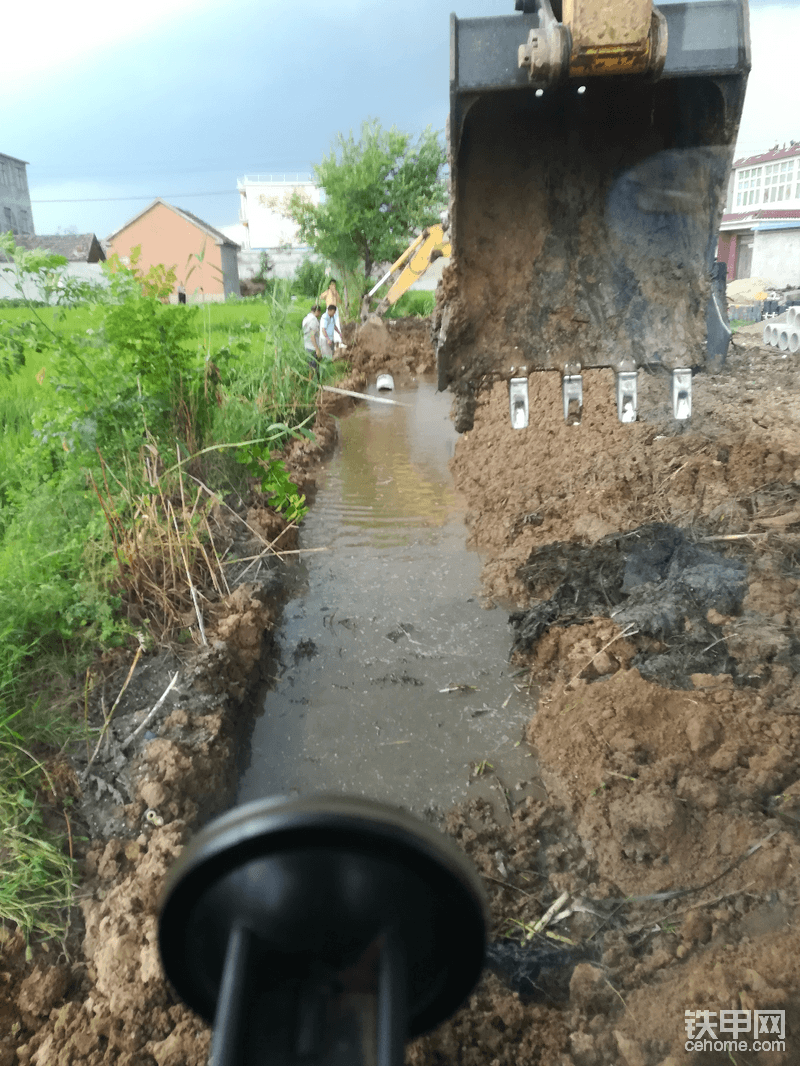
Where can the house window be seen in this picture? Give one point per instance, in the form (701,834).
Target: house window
(4,173)
(778,179)
(23,221)
(9,219)
(748,186)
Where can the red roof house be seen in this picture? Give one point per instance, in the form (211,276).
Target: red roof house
(760,229)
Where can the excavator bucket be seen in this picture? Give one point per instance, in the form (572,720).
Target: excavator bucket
(585,202)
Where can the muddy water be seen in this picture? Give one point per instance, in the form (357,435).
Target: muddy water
(386,617)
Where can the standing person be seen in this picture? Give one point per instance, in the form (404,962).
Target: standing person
(310,329)
(328,331)
(331,296)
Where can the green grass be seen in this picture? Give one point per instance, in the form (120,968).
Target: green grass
(38,872)
(418,304)
(58,569)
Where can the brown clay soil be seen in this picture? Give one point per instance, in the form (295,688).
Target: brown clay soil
(401,346)
(671,826)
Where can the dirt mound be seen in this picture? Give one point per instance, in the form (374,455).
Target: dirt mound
(728,473)
(747,288)
(130,1015)
(673,815)
(400,346)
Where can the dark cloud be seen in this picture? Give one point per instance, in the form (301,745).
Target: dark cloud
(228,90)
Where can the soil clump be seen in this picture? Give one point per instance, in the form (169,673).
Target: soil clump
(400,346)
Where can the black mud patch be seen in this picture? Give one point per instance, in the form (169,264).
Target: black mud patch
(669,594)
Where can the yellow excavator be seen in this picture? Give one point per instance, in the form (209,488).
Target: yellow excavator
(409,267)
(590,144)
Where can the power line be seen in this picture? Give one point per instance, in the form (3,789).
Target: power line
(110,199)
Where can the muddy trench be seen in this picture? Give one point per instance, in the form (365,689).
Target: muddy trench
(393,679)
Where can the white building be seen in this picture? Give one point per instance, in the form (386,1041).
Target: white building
(760,230)
(261,199)
(262,227)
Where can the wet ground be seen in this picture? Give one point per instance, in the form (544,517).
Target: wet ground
(393,679)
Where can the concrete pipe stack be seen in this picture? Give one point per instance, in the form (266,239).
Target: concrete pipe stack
(784,332)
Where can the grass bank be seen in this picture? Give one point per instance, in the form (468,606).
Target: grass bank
(121,423)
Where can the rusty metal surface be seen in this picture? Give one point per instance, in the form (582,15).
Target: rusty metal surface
(609,37)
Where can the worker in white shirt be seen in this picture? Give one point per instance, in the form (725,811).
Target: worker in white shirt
(310,329)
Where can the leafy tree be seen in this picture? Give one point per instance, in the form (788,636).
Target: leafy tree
(265,267)
(379,191)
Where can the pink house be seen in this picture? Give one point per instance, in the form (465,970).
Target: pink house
(205,260)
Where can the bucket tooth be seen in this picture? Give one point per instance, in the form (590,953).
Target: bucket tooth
(682,393)
(518,402)
(627,395)
(572,390)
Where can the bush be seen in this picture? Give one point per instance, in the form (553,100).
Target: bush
(418,304)
(19,301)
(310,279)
(265,268)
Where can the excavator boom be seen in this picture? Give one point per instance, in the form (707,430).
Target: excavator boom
(588,170)
(409,267)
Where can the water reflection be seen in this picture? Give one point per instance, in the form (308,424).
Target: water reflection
(390,616)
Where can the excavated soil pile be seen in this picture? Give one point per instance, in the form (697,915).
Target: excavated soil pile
(674,795)
(400,346)
(668,594)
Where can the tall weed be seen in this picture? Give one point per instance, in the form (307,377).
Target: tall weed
(96,405)
(310,278)
(38,876)
(109,397)
(418,304)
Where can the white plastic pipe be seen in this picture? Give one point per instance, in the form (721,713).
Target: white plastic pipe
(767,334)
(783,338)
(362,396)
(794,340)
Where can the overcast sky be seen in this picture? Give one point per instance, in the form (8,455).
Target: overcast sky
(176,97)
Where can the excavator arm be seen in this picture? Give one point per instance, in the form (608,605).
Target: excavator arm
(409,267)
